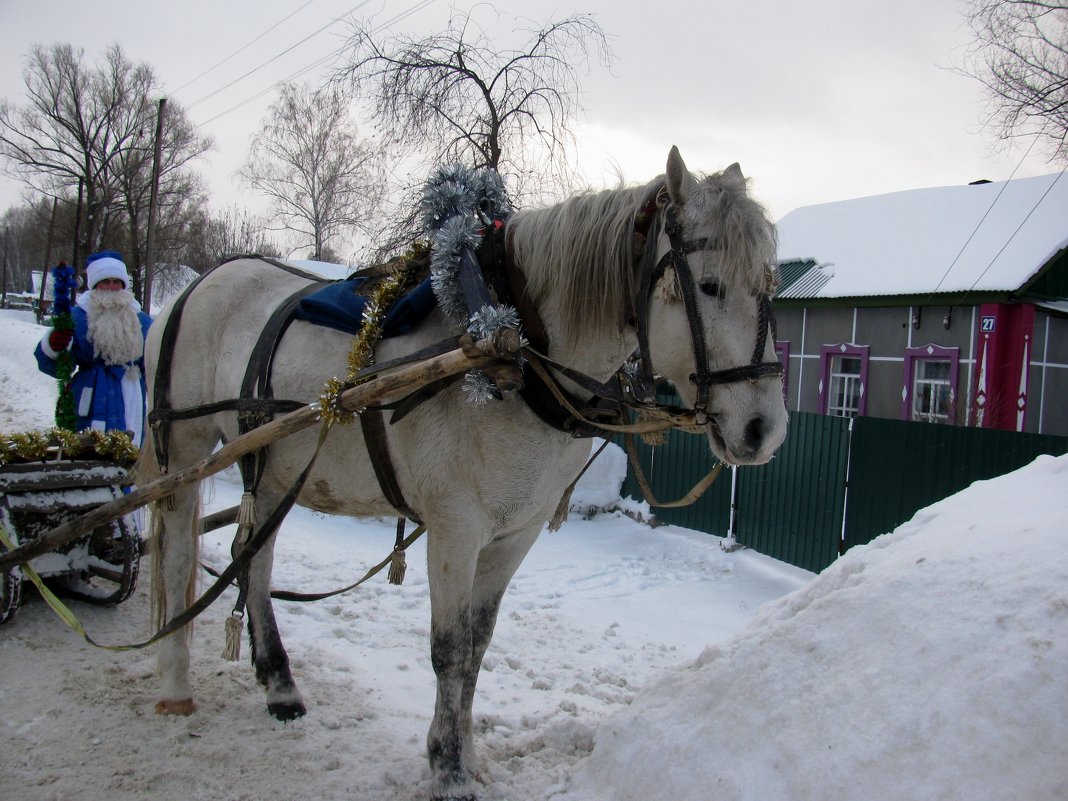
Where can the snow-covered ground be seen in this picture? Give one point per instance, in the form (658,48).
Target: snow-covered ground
(628,663)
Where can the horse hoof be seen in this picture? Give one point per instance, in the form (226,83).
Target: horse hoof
(185,706)
(286,711)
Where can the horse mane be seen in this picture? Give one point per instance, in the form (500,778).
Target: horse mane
(586,248)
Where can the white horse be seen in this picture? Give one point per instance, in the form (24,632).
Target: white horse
(483,478)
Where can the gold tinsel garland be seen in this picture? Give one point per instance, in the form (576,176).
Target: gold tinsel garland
(58,443)
(361,352)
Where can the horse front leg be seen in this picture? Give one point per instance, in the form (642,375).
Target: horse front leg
(466,588)
(269,657)
(497,563)
(451,569)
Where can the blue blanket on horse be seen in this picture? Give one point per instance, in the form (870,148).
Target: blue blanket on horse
(340,306)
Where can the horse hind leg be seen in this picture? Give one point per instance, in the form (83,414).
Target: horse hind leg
(269,657)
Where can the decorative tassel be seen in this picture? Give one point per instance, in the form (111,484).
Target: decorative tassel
(560,515)
(654,439)
(246,516)
(232,648)
(397,567)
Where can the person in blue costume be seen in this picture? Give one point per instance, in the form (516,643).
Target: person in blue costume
(108,347)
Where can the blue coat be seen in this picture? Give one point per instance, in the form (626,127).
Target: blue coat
(96,387)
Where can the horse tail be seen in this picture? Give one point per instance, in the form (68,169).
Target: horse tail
(158,534)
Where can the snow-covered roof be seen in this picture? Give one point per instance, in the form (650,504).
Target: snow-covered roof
(982,237)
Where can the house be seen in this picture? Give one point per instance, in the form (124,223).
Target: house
(43,297)
(946,305)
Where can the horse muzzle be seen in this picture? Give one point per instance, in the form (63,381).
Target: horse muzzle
(752,441)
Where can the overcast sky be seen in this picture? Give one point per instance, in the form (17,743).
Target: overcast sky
(818,100)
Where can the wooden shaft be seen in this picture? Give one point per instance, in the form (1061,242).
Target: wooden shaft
(392,386)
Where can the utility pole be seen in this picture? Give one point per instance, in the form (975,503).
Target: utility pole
(150,239)
(3,289)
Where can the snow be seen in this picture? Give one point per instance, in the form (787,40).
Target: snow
(629,663)
(992,236)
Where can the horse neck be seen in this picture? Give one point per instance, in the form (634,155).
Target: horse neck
(569,255)
(596,351)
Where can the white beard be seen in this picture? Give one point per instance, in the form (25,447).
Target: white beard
(114,327)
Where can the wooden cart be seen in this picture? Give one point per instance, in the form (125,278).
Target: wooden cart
(101,565)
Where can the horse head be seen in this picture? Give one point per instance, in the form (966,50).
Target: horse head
(708,275)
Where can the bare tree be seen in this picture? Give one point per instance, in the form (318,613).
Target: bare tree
(93,125)
(455,97)
(232,232)
(181,191)
(324,183)
(1020,54)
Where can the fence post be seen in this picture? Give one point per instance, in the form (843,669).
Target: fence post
(731,542)
(845,489)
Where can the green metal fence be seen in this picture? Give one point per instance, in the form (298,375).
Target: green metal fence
(900,467)
(797,508)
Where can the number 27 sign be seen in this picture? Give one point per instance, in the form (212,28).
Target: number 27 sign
(986,323)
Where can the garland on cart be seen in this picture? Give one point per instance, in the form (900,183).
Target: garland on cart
(458,206)
(60,443)
(63,286)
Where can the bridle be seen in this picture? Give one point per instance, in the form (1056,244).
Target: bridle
(652,270)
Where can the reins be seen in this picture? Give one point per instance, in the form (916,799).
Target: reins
(608,408)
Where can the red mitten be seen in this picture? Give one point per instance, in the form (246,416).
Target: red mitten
(59,339)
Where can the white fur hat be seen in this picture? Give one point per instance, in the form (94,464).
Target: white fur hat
(108,264)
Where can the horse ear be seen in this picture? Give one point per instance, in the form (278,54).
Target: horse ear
(678,177)
(734,174)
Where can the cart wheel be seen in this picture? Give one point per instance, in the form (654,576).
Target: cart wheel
(10,593)
(114,560)
(10,590)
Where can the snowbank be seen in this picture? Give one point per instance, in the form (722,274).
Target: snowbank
(928,664)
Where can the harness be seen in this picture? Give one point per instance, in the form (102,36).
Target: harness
(494,277)
(703,378)
(256,403)
(604,410)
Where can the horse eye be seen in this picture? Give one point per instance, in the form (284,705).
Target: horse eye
(710,288)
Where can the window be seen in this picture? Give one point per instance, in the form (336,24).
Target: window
(844,380)
(930,390)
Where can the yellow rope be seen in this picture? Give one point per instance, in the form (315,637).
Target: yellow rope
(61,609)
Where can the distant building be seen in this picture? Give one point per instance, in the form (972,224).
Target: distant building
(946,305)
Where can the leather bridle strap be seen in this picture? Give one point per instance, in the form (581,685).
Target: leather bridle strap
(677,256)
(702,378)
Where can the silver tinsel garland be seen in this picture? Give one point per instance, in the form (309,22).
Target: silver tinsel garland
(457,206)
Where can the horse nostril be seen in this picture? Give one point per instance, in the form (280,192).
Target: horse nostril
(754,433)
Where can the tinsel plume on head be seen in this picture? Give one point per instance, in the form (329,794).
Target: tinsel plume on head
(456,190)
(457,234)
(456,206)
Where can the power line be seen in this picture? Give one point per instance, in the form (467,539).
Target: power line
(243,48)
(982,219)
(318,62)
(1021,225)
(277,55)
